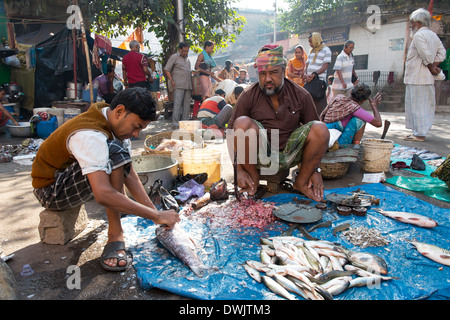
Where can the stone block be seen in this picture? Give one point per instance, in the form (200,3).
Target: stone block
(59,227)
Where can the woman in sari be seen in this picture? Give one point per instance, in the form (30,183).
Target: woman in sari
(296,66)
(346,115)
(229,72)
(204,65)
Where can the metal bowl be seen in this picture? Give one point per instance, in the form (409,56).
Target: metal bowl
(23,130)
(151,168)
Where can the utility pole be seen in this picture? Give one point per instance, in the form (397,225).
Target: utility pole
(180,18)
(275,22)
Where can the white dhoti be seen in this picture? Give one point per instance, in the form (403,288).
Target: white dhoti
(420,106)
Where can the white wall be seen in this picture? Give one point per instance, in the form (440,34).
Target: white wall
(378,46)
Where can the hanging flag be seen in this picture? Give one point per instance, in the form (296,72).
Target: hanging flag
(430,7)
(137,35)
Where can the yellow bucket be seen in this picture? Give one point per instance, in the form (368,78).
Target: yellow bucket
(202,160)
(377,154)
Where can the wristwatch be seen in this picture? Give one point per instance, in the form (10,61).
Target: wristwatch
(318,170)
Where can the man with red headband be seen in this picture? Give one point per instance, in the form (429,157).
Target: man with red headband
(281,118)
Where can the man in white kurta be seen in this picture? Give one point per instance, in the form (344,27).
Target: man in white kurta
(424,55)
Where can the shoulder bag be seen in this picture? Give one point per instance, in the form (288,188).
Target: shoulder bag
(316,87)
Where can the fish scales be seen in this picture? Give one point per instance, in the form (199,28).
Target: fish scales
(181,245)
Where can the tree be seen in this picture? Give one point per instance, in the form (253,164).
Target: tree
(214,20)
(298,17)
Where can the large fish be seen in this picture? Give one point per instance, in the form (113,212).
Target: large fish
(181,245)
(409,217)
(432,252)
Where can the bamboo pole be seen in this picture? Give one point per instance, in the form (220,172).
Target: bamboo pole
(88,62)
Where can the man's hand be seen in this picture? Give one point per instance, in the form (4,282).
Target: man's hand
(167,218)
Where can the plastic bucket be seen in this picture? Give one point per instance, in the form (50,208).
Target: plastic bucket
(45,128)
(190,125)
(87,95)
(71,113)
(59,113)
(202,160)
(376,155)
(10,107)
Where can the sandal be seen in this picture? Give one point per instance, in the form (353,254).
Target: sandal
(412,137)
(110,252)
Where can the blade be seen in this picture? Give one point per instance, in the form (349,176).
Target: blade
(387,123)
(236,188)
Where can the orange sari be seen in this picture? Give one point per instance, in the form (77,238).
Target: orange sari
(295,66)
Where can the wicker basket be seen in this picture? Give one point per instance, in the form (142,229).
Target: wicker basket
(158,138)
(332,170)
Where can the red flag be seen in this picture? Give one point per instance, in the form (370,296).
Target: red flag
(430,7)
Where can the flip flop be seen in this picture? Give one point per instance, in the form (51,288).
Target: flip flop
(110,252)
(413,138)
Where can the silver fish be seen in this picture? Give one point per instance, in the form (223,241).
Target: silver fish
(409,217)
(367,261)
(432,252)
(289,285)
(252,272)
(277,288)
(181,245)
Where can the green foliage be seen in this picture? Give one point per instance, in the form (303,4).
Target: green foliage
(299,15)
(214,20)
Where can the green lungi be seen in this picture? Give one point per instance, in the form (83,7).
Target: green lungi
(291,155)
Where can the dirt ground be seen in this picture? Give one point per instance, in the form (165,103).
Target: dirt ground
(51,280)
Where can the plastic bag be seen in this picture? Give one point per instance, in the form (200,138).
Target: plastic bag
(161,198)
(417,163)
(12,61)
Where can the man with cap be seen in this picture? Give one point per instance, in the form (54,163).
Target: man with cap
(281,116)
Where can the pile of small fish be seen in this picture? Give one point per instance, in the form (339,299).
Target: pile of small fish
(404,152)
(314,270)
(365,237)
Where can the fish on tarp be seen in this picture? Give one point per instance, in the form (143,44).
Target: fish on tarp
(277,288)
(433,252)
(180,244)
(367,261)
(409,217)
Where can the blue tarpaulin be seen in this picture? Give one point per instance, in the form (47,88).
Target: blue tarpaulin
(225,250)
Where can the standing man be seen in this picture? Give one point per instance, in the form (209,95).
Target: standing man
(317,64)
(277,113)
(89,157)
(425,54)
(178,71)
(135,67)
(343,71)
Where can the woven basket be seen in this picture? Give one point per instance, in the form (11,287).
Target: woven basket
(156,140)
(334,170)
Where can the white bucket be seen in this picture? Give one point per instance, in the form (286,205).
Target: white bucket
(59,113)
(41,110)
(71,113)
